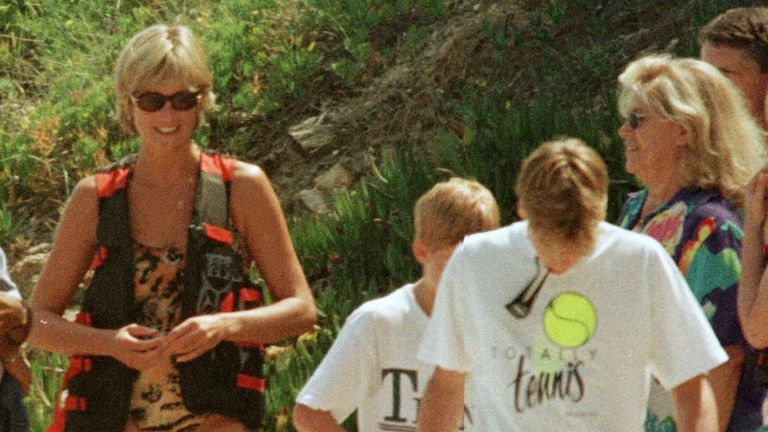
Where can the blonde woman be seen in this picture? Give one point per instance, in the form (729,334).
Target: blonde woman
(692,143)
(169,334)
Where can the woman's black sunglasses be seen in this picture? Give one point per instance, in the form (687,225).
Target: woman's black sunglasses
(634,119)
(180,101)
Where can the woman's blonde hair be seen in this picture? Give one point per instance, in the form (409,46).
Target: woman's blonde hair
(563,187)
(454,209)
(154,55)
(726,146)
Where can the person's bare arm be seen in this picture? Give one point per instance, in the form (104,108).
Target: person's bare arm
(73,250)
(258,217)
(19,369)
(724,380)
(695,406)
(13,328)
(753,284)
(442,408)
(306,419)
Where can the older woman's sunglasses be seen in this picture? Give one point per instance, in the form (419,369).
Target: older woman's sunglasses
(634,120)
(180,101)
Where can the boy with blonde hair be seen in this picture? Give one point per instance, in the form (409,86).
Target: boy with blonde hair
(557,320)
(372,366)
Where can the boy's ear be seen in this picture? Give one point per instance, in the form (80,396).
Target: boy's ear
(420,251)
(520,209)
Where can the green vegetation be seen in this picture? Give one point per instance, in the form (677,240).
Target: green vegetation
(270,59)
(273,60)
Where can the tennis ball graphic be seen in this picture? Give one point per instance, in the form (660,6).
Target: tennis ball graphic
(570,320)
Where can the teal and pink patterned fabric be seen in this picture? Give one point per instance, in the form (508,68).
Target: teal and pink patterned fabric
(702,232)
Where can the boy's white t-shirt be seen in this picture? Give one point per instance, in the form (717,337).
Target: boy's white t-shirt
(582,359)
(372,366)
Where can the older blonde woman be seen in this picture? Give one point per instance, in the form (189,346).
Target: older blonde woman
(692,142)
(169,334)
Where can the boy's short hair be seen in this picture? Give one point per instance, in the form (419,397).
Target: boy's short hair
(156,54)
(563,186)
(453,209)
(742,28)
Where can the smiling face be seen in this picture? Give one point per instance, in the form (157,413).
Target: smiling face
(167,127)
(742,70)
(653,151)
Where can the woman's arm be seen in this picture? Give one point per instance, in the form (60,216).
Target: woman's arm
(753,284)
(725,381)
(73,249)
(714,249)
(695,406)
(257,215)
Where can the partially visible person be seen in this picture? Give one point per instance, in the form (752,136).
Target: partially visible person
(372,365)
(558,321)
(171,329)
(753,286)
(694,146)
(15,323)
(736,42)
(765,118)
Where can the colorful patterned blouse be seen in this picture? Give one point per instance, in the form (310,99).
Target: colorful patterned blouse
(702,232)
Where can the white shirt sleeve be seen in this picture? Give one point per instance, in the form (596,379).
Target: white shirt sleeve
(348,372)
(443,341)
(683,343)
(6,284)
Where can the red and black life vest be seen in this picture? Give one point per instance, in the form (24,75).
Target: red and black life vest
(226,380)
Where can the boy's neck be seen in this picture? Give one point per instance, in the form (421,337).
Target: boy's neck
(424,291)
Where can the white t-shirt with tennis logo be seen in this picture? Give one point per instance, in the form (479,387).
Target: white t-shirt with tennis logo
(582,357)
(372,367)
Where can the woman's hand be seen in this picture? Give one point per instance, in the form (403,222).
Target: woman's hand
(138,347)
(195,336)
(15,324)
(756,200)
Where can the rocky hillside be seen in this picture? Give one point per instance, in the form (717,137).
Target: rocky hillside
(566,53)
(524,49)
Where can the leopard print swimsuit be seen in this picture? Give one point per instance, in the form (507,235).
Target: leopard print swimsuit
(156,403)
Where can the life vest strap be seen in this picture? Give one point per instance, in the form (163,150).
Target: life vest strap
(228,304)
(77,365)
(99,258)
(250,295)
(251,382)
(75,403)
(223,167)
(84,318)
(109,181)
(221,235)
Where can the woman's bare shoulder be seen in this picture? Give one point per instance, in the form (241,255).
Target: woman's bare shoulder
(250,182)
(83,203)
